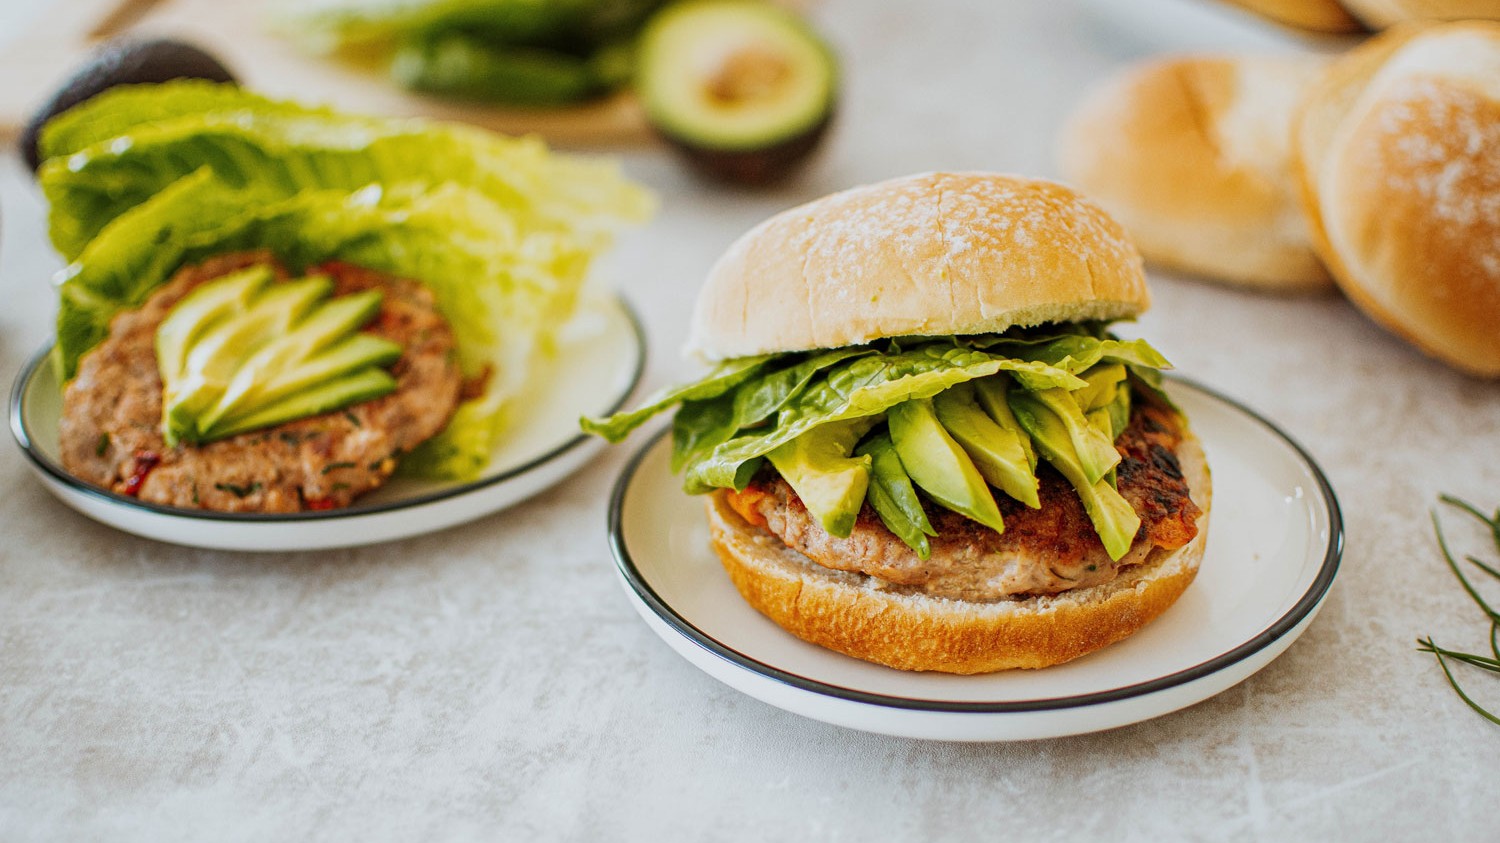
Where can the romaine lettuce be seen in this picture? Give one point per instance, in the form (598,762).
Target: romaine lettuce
(501,292)
(285,149)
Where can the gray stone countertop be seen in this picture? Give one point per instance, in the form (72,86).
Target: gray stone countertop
(492,681)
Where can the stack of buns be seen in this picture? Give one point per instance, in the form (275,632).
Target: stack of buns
(1193,156)
(1379,171)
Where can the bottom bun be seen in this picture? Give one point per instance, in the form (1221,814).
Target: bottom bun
(858,616)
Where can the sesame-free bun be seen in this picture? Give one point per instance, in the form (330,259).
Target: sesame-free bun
(1325,16)
(924,255)
(1398,153)
(854,615)
(1191,154)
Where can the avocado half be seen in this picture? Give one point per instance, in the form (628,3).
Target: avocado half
(745,90)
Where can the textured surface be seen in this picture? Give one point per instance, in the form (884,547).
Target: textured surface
(922,255)
(439,689)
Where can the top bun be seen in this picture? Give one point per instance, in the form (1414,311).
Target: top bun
(925,255)
(1398,150)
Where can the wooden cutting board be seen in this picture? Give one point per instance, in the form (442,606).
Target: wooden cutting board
(236,31)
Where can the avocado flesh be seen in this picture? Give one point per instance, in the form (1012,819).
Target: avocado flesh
(1103,383)
(1113,518)
(363,385)
(214,359)
(745,90)
(990,394)
(199,310)
(268,374)
(348,356)
(893,496)
(830,482)
(1096,451)
(939,465)
(1119,412)
(996,452)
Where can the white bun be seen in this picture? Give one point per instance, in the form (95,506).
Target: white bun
(852,614)
(1311,15)
(1192,156)
(1398,151)
(930,254)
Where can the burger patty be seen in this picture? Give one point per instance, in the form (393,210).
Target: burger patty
(111,427)
(1042,551)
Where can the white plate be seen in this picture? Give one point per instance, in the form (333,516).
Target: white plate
(598,363)
(1274,544)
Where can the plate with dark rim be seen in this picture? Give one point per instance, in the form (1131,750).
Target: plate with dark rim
(1274,543)
(597,363)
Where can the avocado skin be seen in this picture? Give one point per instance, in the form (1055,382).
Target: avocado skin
(762,167)
(121,61)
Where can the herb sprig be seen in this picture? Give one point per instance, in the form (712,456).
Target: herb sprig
(1444,655)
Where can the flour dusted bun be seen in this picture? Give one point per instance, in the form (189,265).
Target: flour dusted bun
(1379,14)
(1398,151)
(852,614)
(1312,15)
(1192,156)
(931,254)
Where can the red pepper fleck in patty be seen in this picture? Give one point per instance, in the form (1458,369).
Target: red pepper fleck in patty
(145,461)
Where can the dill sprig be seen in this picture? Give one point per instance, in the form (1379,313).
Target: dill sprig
(1444,655)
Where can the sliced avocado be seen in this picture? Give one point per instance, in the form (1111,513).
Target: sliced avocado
(996,452)
(1113,518)
(269,373)
(348,355)
(990,393)
(217,355)
(199,310)
(745,89)
(1103,381)
(939,465)
(893,496)
(829,481)
(1119,411)
(363,385)
(1096,450)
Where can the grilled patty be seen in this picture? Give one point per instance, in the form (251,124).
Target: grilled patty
(1042,551)
(111,427)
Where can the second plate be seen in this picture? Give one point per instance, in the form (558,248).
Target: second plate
(597,364)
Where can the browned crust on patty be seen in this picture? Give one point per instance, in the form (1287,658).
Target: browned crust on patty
(1042,551)
(860,616)
(110,434)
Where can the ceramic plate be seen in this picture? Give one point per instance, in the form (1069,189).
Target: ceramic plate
(1273,548)
(598,363)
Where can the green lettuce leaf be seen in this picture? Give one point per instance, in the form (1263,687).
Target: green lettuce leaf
(701,426)
(118,110)
(725,377)
(502,293)
(284,150)
(863,386)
